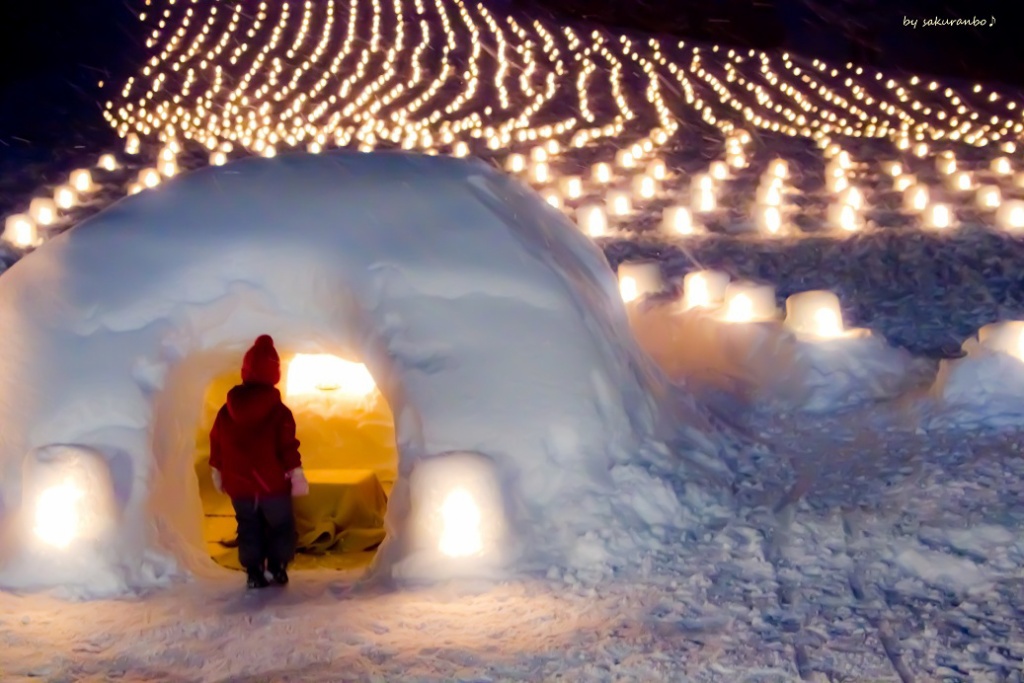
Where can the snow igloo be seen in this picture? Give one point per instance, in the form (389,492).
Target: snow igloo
(523,410)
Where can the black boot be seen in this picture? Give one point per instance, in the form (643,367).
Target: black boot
(280,574)
(256,579)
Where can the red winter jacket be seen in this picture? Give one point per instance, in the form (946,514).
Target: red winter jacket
(253,442)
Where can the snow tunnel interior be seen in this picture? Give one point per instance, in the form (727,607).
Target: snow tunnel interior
(347,440)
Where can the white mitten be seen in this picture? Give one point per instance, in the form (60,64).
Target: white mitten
(300,487)
(218,483)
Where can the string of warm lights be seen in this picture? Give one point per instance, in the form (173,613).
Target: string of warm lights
(453,77)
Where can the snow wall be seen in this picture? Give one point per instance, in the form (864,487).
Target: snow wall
(490,323)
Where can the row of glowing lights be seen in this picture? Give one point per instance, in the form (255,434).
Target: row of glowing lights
(813,316)
(469,76)
(770,218)
(845,213)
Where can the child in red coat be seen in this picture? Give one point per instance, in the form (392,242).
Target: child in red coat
(255,460)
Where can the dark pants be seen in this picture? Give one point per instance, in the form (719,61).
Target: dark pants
(266,531)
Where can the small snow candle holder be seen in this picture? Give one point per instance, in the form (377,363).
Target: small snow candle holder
(43,210)
(892,168)
(748,302)
(677,220)
(778,168)
(645,187)
(988,198)
(516,163)
(108,162)
(1010,215)
(770,221)
(901,183)
(81,180)
(702,191)
(625,159)
(704,289)
(657,170)
(769,193)
(638,280)
(572,187)
(68,496)
(592,220)
(815,314)
(946,164)
(65,196)
(21,231)
(149,177)
(1004,337)
(602,173)
(538,154)
(960,181)
(619,204)
(540,173)
(1001,166)
(719,170)
(844,217)
(915,198)
(939,216)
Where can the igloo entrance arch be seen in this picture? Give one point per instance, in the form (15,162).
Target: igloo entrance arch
(492,326)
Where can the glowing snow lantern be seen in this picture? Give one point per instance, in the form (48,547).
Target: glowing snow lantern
(769,220)
(815,313)
(938,216)
(461,149)
(1005,337)
(218,158)
(844,217)
(719,170)
(81,180)
(457,520)
(747,302)
(960,181)
(553,199)
(637,280)
(43,210)
(1001,166)
(592,220)
(915,198)
(168,168)
(677,220)
(135,188)
(107,162)
(645,186)
(540,172)
(602,173)
(657,169)
(553,147)
(1010,215)
(703,192)
(538,154)
(988,197)
(625,159)
(704,289)
(71,494)
(131,144)
(904,181)
(853,197)
(893,168)
(65,196)
(770,193)
(836,183)
(946,164)
(21,231)
(778,168)
(619,204)
(572,186)
(149,177)
(515,163)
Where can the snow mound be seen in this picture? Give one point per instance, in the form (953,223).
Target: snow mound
(489,322)
(771,367)
(985,388)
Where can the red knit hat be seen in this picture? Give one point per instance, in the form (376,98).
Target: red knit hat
(261,364)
